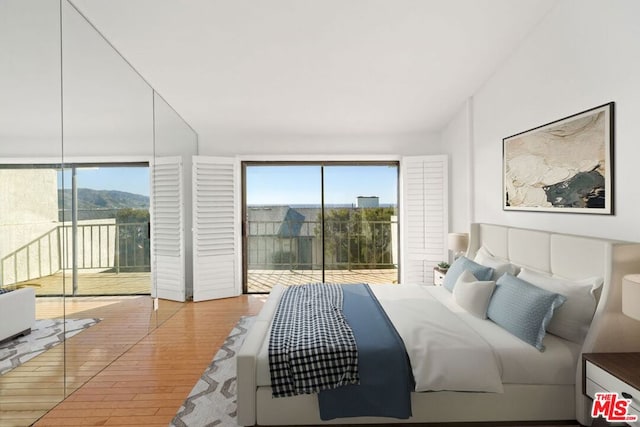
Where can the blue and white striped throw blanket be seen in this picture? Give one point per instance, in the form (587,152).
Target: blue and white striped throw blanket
(311,348)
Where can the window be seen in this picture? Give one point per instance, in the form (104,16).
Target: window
(319,222)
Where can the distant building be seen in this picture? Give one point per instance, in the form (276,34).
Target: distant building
(368,202)
(282,237)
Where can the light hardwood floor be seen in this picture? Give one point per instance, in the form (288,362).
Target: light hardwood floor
(124,374)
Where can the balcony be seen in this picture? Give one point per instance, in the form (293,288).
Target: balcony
(290,252)
(111,259)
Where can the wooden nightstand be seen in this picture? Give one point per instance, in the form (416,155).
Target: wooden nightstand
(616,373)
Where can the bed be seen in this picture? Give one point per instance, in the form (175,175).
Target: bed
(535,385)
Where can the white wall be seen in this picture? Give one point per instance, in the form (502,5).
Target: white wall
(583,54)
(456,141)
(318,145)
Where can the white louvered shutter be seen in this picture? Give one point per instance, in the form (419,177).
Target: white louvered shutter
(425,217)
(215,258)
(168,229)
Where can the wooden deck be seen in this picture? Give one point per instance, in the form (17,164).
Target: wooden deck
(264,280)
(92,284)
(260,281)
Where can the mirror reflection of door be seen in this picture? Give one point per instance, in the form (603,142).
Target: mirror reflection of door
(87,226)
(104,212)
(325,222)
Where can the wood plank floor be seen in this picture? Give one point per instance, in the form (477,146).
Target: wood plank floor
(122,374)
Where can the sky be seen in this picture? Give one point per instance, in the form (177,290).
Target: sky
(301,184)
(268,185)
(129,179)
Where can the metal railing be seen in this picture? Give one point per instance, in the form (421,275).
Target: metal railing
(298,245)
(38,258)
(103,246)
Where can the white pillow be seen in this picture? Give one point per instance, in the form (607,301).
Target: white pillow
(572,319)
(473,295)
(499,265)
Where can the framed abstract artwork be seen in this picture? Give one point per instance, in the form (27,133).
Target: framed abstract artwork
(563,166)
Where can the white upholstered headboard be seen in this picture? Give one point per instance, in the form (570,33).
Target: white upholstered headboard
(574,257)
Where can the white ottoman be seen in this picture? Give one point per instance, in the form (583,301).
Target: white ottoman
(17,312)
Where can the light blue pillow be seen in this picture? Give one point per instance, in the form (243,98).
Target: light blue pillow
(481,272)
(523,309)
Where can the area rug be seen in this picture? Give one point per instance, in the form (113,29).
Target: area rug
(212,402)
(45,334)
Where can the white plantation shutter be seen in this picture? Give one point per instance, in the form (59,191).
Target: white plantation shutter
(168,229)
(215,261)
(425,216)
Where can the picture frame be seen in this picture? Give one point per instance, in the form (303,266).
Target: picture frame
(562,166)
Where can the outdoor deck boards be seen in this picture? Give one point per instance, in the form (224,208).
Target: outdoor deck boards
(265,280)
(92,284)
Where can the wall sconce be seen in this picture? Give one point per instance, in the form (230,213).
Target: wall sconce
(631,296)
(457,243)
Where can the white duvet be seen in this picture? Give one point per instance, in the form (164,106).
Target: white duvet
(452,350)
(445,353)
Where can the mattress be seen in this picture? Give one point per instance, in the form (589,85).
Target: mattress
(517,362)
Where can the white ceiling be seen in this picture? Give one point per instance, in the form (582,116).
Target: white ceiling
(315,67)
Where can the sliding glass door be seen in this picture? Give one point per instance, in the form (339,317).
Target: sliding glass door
(361,223)
(319,222)
(282,203)
(85,225)
(104,215)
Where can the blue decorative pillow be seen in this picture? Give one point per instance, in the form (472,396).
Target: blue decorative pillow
(523,309)
(481,272)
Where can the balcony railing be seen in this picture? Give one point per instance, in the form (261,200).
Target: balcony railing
(100,246)
(298,245)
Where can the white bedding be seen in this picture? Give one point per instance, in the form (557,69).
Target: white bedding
(440,337)
(438,343)
(520,362)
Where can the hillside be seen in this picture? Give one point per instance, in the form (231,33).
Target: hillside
(101,200)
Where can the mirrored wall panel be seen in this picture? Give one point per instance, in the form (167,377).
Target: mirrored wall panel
(30,116)
(31,247)
(108,146)
(81,134)
(108,107)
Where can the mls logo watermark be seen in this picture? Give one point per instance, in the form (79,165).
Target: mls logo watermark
(612,408)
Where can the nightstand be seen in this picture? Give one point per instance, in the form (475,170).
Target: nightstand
(616,373)
(438,276)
